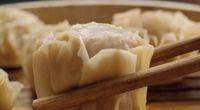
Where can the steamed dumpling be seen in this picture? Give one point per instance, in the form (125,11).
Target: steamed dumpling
(162,26)
(35,43)
(88,53)
(8,91)
(15,29)
(65,53)
(158,27)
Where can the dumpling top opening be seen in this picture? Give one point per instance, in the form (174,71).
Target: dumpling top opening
(98,36)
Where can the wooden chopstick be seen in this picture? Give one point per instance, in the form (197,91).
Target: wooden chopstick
(119,85)
(174,49)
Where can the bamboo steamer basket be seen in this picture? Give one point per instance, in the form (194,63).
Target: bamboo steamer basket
(83,11)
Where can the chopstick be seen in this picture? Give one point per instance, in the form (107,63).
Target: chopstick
(119,85)
(130,82)
(174,49)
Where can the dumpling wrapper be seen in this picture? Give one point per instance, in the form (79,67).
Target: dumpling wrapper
(158,27)
(8,91)
(59,57)
(55,61)
(111,63)
(103,36)
(15,29)
(35,42)
(162,26)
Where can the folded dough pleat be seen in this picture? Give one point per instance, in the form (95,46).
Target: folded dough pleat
(41,72)
(192,31)
(63,65)
(35,42)
(8,91)
(107,64)
(8,53)
(162,26)
(144,55)
(5,95)
(65,61)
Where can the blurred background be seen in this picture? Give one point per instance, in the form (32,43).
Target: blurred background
(15,1)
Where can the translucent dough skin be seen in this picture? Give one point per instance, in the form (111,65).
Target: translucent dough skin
(96,61)
(62,68)
(103,36)
(5,96)
(143,53)
(158,27)
(8,91)
(162,26)
(16,27)
(106,64)
(36,41)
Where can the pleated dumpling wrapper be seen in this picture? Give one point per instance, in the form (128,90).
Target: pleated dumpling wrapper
(160,26)
(8,91)
(89,53)
(16,26)
(35,43)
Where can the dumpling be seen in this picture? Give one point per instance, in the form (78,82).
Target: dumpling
(192,31)
(8,91)
(35,42)
(88,53)
(162,26)
(158,27)
(15,29)
(97,37)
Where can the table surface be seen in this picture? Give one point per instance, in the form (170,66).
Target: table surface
(24,99)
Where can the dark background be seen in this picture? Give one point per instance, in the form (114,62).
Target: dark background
(13,1)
